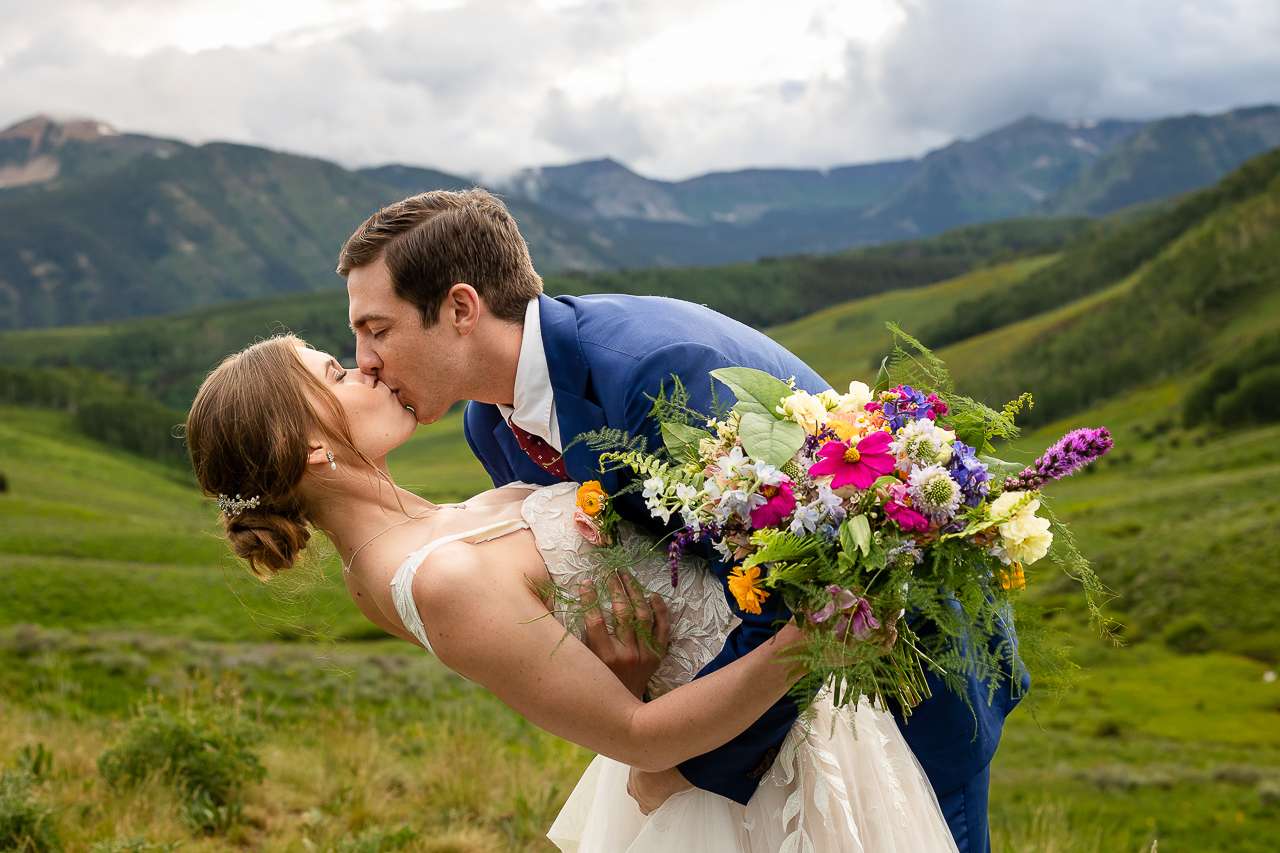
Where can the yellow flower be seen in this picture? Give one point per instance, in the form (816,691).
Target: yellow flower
(745,591)
(591,497)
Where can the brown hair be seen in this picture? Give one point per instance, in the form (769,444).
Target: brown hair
(432,241)
(248,434)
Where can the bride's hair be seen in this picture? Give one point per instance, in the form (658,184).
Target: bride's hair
(248,434)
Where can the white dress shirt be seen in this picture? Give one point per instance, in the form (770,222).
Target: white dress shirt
(535,404)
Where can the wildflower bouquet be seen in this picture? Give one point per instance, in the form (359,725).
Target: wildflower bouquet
(866,512)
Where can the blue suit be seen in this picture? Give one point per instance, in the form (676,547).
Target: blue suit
(608,356)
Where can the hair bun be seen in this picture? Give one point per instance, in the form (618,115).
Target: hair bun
(267,540)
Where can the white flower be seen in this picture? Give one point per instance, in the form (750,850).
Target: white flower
(923,443)
(858,397)
(805,409)
(934,493)
(1025,536)
(764,473)
(686,494)
(653,487)
(830,502)
(730,465)
(738,502)
(805,519)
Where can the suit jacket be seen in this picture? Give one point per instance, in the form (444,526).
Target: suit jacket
(608,356)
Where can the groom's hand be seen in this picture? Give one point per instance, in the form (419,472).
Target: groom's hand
(651,790)
(635,646)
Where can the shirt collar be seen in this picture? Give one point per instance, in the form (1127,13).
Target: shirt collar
(534,406)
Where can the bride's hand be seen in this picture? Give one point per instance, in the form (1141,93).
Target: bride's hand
(635,648)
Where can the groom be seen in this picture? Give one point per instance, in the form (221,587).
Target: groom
(446,306)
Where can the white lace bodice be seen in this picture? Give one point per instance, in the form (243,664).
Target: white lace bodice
(700,616)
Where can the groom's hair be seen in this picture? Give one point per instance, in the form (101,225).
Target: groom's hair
(432,241)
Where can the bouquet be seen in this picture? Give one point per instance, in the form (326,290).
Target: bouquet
(870,513)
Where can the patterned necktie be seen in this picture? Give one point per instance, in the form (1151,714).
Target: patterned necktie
(539,451)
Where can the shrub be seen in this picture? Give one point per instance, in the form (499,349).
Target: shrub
(26,826)
(1189,635)
(206,756)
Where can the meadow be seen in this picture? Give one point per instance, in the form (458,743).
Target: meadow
(128,634)
(120,597)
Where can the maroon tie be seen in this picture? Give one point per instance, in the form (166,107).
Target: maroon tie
(539,451)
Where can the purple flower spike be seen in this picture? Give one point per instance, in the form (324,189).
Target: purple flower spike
(1075,450)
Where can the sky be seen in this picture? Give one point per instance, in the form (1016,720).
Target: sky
(672,88)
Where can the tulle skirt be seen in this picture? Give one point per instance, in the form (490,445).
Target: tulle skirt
(843,782)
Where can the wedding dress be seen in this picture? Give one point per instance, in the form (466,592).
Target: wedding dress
(844,780)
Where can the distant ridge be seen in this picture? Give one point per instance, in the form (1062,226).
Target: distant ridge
(96,224)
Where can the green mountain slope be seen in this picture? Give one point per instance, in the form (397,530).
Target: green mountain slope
(1166,157)
(169,356)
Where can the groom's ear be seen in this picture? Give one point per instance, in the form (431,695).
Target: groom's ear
(462,308)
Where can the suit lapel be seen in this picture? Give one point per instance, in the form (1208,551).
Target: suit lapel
(570,378)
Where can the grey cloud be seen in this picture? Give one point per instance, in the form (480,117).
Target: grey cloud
(476,88)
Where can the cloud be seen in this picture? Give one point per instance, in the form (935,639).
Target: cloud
(671,88)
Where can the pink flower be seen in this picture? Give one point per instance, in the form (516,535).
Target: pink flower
(896,508)
(780,500)
(586,525)
(855,613)
(858,464)
(859,622)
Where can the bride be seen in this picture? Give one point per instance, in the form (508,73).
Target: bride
(286,439)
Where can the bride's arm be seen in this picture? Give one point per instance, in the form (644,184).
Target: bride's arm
(500,635)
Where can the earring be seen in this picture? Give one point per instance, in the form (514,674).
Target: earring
(333,466)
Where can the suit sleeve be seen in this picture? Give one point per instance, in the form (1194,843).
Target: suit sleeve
(477,427)
(734,769)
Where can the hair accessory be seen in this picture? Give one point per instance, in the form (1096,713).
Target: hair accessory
(333,466)
(234,506)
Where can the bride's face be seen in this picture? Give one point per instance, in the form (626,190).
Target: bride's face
(378,422)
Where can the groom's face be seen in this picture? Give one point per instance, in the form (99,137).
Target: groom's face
(421,365)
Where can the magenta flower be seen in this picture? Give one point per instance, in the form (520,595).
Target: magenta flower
(906,517)
(780,500)
(858,464)
(859,622)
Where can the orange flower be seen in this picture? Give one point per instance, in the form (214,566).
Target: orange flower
(1012,577)
(743,586)
(591,497)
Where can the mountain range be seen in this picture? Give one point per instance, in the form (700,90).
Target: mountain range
(97,225)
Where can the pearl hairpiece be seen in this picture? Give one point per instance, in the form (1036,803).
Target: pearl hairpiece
(234,506)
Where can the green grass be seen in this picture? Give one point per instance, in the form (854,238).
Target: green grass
(848,341)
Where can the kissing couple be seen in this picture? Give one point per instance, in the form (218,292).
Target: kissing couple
(700,746)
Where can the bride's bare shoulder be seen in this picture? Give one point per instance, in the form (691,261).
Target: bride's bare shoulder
(501,495)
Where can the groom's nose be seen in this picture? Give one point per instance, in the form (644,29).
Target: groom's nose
(366,359)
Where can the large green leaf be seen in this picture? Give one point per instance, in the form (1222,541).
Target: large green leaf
(756,390)
(1000,469)
(682,440)
(768,439)
(855,533)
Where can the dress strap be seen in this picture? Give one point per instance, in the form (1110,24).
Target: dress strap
(402,583)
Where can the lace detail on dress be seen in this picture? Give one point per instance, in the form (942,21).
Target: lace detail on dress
(812,774)
(700,615)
